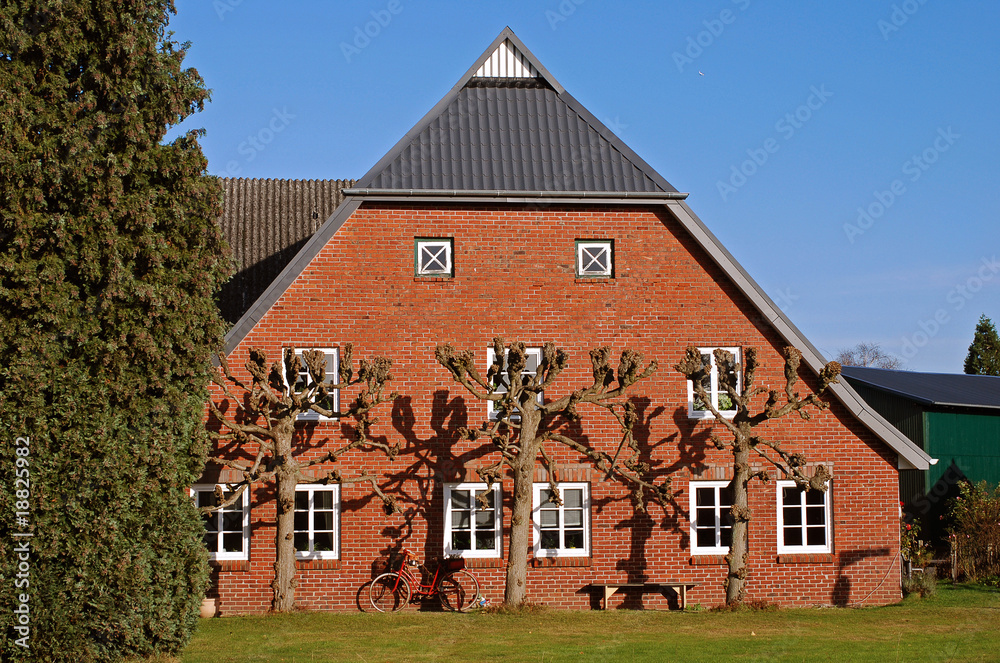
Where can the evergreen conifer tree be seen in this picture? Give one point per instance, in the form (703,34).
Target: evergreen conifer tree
(984,351)
(109,259)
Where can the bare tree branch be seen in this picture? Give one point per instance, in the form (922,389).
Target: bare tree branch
(266,412)
(741,426)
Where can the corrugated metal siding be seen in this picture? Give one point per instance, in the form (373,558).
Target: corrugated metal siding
(512,138)
(266,222)
(970,441)
(904,415)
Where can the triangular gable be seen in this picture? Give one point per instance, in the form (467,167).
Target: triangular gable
(507,61)
(507,126)
(646,187)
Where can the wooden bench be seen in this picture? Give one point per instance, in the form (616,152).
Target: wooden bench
(681,589)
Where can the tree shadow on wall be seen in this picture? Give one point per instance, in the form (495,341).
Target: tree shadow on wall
(841,595)
(642,525)
(692,445)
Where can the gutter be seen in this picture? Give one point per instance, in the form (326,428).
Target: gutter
(504,193)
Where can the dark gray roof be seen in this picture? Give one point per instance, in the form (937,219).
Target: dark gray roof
(941,389)
(266,222)
(512,135)
(512,138)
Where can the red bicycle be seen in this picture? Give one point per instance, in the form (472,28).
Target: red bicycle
(456,588)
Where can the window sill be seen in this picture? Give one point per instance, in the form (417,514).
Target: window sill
(805,558)
(316,564)
(543,562)
(484,562)
(707,560)
(697,416)
(594,279)
(229,564)
(433,279)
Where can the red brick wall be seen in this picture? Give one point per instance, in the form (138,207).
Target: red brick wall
(514,277)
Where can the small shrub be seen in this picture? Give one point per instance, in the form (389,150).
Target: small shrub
(974,530)
(991,581)
(911,546)
(923,584)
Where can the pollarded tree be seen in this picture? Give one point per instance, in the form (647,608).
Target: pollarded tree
(984,351)
(258,423)
(747,442)
(109,259)
(525,424)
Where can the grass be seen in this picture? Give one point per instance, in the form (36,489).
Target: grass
(959,623)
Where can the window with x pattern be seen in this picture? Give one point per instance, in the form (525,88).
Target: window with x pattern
(433,257)
(594,258)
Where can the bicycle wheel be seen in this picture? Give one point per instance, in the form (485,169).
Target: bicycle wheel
(458,591)
(389,592)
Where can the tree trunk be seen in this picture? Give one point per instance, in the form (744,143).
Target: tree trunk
(516,589)
(739,548)
(284,544)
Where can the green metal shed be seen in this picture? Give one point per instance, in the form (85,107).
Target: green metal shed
(952,417)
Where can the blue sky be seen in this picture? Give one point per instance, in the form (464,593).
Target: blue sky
(845,153)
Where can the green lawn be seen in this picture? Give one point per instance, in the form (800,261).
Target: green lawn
(959,624)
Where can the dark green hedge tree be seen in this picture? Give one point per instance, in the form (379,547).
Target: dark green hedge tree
(109,259)
(984,351)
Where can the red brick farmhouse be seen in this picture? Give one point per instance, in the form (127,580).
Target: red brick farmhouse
(509,210)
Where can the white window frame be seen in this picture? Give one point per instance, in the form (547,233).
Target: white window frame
(473,552)
(585,257)
(312,489)
(331,353)
(714,391)
(434,244)
(491,409)
(244,505)
(827,525)
(720,514)
(536,518)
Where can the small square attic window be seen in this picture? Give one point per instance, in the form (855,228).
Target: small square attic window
(433,257)
(594,258)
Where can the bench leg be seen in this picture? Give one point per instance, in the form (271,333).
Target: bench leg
(608,591)
(683,597)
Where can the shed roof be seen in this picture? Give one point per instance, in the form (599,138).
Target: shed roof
(265,223)
(940,389)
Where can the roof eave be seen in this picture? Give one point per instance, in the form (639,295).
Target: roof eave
(451,194)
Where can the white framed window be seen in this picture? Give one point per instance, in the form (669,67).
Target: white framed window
(304,380)
(594,258)
(317,521)
(433,257)
(711,521)
(804,519)
(227,530)
(720,399)
(562,530)
(472,520)
(532,360)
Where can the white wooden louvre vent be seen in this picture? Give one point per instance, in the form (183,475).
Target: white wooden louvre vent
(506,62)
